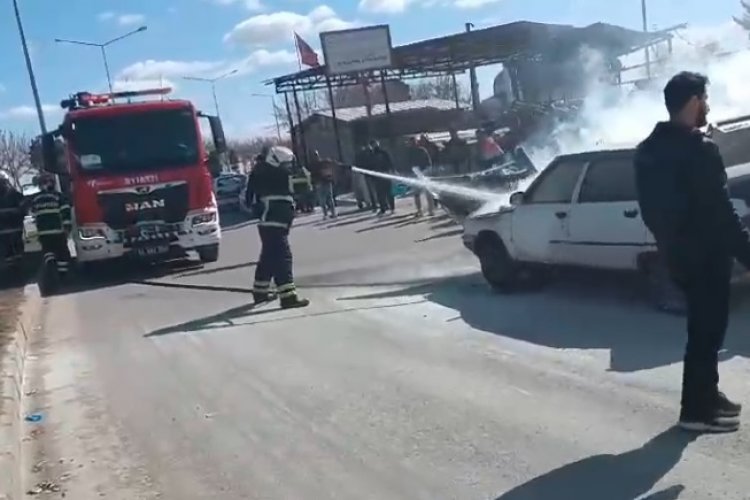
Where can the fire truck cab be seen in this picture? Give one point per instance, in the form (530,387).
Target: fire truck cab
(138,176)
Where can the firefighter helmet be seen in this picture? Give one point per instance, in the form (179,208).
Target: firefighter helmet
(279,155)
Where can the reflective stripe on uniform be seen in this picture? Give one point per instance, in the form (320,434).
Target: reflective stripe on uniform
(262,285)
(9,210)
(49,211)
(50,231)
(286,295)
(286,288)
(11,231)
(268,223)
(275,197)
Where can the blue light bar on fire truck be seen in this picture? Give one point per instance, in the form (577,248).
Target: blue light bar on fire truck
(88,100)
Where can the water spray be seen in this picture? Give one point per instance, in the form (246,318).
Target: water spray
(433,186)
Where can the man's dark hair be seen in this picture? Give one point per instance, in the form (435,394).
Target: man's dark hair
(681,88)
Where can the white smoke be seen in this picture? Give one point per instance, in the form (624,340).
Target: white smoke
(621,116)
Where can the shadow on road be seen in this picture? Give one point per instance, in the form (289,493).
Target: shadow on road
(226,319)
(185,286)
(626,476)
(386,221)
(216,270)
(586,314)
(444,234)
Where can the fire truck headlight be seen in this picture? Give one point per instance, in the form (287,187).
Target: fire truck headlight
(206,218)
(90,233)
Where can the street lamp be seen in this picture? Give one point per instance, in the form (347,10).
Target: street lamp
(30,69)
(103,48)
(212,81)
(275,111)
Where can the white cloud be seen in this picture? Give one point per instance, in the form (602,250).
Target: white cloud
(143,84)
(26,112)
(106,16)
(384,6)
(398,6)
(279,27)
(251,5)
(130,19)
(154,70)
(474,4)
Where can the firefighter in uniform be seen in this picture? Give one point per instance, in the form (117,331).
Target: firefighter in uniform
(11,222)
(269,192)
(51,211)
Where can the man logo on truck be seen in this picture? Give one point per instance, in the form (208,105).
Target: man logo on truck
(139,206)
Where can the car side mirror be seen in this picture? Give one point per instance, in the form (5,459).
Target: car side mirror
(517,198)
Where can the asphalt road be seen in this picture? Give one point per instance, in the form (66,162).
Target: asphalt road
(406,379)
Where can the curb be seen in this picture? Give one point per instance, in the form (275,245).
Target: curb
(12,371)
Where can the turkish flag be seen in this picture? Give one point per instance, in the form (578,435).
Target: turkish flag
(307,55)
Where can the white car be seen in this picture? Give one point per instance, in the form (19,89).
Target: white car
(580,212)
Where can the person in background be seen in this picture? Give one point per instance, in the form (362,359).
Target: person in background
(269,192)
(382,162)
(681,184)
(52,215)
(303,188)
(432,148)
(322,171)
(489,151)
(11,221)
(457,153)
(419,157)
(364,182)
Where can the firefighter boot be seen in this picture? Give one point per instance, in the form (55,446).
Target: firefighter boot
(294,302)
(262,298)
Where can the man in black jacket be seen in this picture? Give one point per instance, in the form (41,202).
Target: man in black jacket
(269,192)
(381,162)
(684,202)
(11,221)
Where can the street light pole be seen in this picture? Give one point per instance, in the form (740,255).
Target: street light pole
(103,48)
(30,69)
(212,81)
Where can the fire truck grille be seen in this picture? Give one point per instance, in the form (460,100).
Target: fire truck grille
(163,204)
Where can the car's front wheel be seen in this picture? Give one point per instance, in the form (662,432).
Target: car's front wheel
(209,253)
(498,268)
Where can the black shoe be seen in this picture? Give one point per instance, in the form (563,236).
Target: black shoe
(262,298)
(713,425)
(294,303)
(725,408)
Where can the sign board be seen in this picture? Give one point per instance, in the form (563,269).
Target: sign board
(355,50)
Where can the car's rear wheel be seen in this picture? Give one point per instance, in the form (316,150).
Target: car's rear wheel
(662,292)
(498,268)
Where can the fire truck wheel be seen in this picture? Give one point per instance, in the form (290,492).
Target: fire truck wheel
(209,253)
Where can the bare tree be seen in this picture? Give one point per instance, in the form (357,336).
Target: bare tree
(15,156)
(744,20)
(439,88)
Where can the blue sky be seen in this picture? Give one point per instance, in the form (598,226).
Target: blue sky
(206,37)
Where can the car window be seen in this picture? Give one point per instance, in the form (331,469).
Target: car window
(609,180)
(557,183)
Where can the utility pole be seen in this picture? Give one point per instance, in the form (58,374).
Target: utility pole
(473,79)
(103,48)
(275,112)
(30,69)
(645,30)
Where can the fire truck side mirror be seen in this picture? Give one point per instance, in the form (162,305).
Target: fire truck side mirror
(49,154)
(217,131)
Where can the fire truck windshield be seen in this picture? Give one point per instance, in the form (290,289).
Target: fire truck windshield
(135,141)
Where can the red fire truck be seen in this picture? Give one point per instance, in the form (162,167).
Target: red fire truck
(138,176)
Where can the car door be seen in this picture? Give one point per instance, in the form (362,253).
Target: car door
(541,221)
(605,225)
